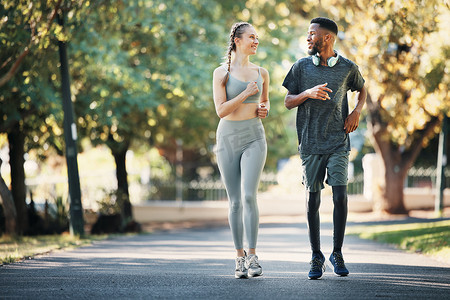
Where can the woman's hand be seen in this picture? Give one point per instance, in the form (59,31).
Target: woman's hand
(252,88)
(262,111)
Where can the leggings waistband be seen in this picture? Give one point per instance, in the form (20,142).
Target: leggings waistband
(251,129)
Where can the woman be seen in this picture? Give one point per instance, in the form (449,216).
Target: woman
(241,98)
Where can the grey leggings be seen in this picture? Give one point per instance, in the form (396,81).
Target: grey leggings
(241,155)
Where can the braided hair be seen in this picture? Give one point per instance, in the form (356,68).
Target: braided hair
(236,32)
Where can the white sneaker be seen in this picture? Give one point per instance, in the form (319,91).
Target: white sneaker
(253,266)
(241,271)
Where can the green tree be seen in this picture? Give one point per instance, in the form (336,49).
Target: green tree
(111,86)
(140,81)
(26,26)
(28,113)
(26,98)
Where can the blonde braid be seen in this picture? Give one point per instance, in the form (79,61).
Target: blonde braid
(232,45)
(230,49)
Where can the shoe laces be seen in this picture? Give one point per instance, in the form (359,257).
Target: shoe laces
(240,263)
(339,259)
(252,261)
(316,264)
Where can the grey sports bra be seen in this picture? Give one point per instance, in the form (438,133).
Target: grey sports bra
(235,86)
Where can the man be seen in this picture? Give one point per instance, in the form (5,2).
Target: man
(317,85)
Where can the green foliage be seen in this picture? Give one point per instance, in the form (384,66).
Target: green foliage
(31,97)
(139,75)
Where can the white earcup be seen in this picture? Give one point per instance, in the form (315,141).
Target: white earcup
(315,60)
(331,61)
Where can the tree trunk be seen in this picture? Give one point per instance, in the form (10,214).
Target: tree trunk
(8,207)
(393,191)
(394,177)
(122,180)
(18,189)
(396,161)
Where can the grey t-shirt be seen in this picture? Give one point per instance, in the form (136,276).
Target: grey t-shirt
(320,124)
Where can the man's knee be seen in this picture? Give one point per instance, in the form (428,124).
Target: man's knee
(313,201)
(340,195)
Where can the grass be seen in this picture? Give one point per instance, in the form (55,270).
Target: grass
(13,249)
(431,238)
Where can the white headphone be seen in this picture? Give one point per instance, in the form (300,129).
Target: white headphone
(331,61)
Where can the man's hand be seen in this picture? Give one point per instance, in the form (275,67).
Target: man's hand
(352,122)
(320,92)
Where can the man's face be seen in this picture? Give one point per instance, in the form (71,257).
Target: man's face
(314,39)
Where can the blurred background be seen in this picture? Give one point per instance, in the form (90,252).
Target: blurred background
(140,75)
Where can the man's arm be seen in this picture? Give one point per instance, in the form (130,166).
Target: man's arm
(352,121)
(319,92)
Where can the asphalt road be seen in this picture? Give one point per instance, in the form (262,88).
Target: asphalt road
(199,264)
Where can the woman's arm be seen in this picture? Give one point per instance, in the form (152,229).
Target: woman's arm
(264,107)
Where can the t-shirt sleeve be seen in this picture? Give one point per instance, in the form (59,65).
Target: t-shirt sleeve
(292,79)
(356,81)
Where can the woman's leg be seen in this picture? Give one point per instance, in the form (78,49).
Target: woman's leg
(228,161)
(252,164)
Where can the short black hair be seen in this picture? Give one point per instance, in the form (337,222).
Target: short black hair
(326,23)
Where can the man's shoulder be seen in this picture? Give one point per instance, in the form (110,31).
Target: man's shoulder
(303,61)
(346,61)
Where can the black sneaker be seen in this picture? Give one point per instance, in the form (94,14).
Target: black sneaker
(317,267)
(337,261)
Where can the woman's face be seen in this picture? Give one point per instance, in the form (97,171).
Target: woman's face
(248,42)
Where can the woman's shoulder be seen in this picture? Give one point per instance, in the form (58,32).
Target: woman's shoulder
(264,71)
(220,71)
(259,68)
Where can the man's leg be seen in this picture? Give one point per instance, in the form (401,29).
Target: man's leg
(314,167)
(337,170)
(312,212)
(339,216)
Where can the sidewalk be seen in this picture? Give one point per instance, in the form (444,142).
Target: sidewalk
(271,203)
